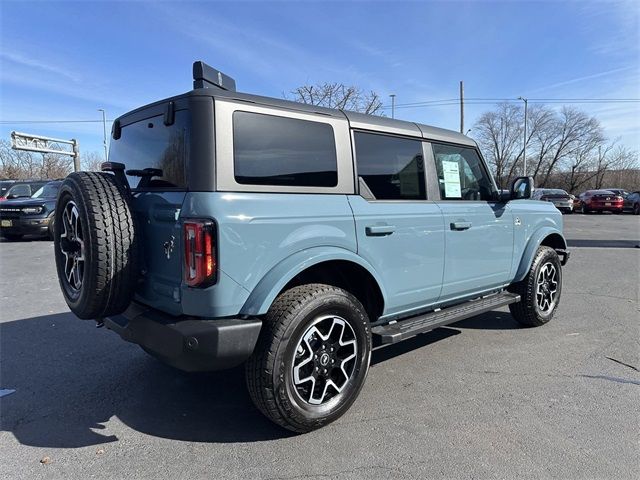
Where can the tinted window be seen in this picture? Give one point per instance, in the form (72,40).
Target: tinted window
(271,150)
(392,167)
(151,144)
(461,175)
(50,190)
(22,190)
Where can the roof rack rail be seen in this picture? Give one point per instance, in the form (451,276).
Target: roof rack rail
(205,76)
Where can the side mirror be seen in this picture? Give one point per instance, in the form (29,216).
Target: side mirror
(521,188)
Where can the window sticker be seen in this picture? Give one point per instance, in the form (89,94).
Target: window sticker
(451,179)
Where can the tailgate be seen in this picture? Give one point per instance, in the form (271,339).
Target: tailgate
(161,249)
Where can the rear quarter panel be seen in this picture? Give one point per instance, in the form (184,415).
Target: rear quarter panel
(258,231)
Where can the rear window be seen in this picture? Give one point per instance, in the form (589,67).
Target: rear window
(150,143)
(272,150)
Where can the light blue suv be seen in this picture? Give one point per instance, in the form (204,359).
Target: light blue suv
(229,228)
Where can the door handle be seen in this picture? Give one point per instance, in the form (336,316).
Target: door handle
(460,225)
(379,230)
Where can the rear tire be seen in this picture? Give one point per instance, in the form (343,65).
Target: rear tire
(636,209)
(95,245)
(312,357)
(539,291)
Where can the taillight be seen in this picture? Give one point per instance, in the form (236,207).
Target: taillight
(200,263)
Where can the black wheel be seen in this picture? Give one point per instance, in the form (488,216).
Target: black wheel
(13,237)
(585,210)
(636,209)
(312,357)
(539,291)
(95,245)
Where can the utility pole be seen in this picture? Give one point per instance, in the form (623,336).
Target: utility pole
(104,132)
(393,105)
(461,106)
(524,143)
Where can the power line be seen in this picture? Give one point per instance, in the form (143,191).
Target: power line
(493,101)
(15,122)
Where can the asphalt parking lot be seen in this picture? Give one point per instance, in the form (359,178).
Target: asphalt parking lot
(480,399)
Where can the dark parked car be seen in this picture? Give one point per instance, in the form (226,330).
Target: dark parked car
(560,199)
(29,216)
(631,202)
(10,189)
(600,201)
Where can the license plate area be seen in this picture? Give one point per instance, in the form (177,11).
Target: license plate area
(6,223)
(607,204)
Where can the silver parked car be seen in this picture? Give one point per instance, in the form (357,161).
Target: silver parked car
(561,199)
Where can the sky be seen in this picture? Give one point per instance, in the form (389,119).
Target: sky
(65,60)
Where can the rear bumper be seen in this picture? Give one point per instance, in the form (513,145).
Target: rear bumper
(188,343)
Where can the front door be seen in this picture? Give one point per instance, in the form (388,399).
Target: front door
(478,230)
(400,233)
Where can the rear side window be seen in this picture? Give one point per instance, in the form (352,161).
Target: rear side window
(152,144)
(392,167)
(272,150)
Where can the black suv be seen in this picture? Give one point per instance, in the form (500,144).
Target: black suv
(29,216)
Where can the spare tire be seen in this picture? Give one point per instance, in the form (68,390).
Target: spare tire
(95,245)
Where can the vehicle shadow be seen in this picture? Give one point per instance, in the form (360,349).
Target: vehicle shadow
(71,379)
(603,243)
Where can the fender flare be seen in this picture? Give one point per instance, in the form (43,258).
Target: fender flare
(265,292)
(532,247)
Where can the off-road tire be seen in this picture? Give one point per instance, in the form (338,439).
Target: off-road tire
(269,370)
(526,311)
(110,239)
(13,237)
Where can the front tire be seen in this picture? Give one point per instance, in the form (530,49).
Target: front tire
(539,291)
(312,357)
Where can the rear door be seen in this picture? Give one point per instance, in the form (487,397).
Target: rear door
(149,142)
(478,230)
(400,232)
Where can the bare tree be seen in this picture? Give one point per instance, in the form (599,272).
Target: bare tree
(21,165)
(91,161)
(340,96)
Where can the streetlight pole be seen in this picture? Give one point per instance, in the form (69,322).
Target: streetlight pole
(104,132)
(393,105)
(524,143)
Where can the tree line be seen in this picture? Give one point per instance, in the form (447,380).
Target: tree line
(565,148)
(23,165)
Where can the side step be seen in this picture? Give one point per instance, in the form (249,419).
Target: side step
(396,332)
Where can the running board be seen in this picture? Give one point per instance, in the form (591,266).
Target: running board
(403,329)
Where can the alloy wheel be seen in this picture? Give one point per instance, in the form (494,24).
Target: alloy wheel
(324,359)
(547,287)
(72,245)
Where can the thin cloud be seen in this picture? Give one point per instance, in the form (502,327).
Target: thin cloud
(32,62)
(582,79)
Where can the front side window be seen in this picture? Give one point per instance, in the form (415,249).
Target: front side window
(272,150)
(392,167)
(461,175)
(150,143)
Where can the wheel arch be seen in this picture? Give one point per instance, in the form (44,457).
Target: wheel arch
(547,236)
(329,265)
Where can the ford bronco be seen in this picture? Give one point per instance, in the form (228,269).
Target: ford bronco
(229,228)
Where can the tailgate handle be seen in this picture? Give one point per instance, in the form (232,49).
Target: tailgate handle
(379,230)
(460,225)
